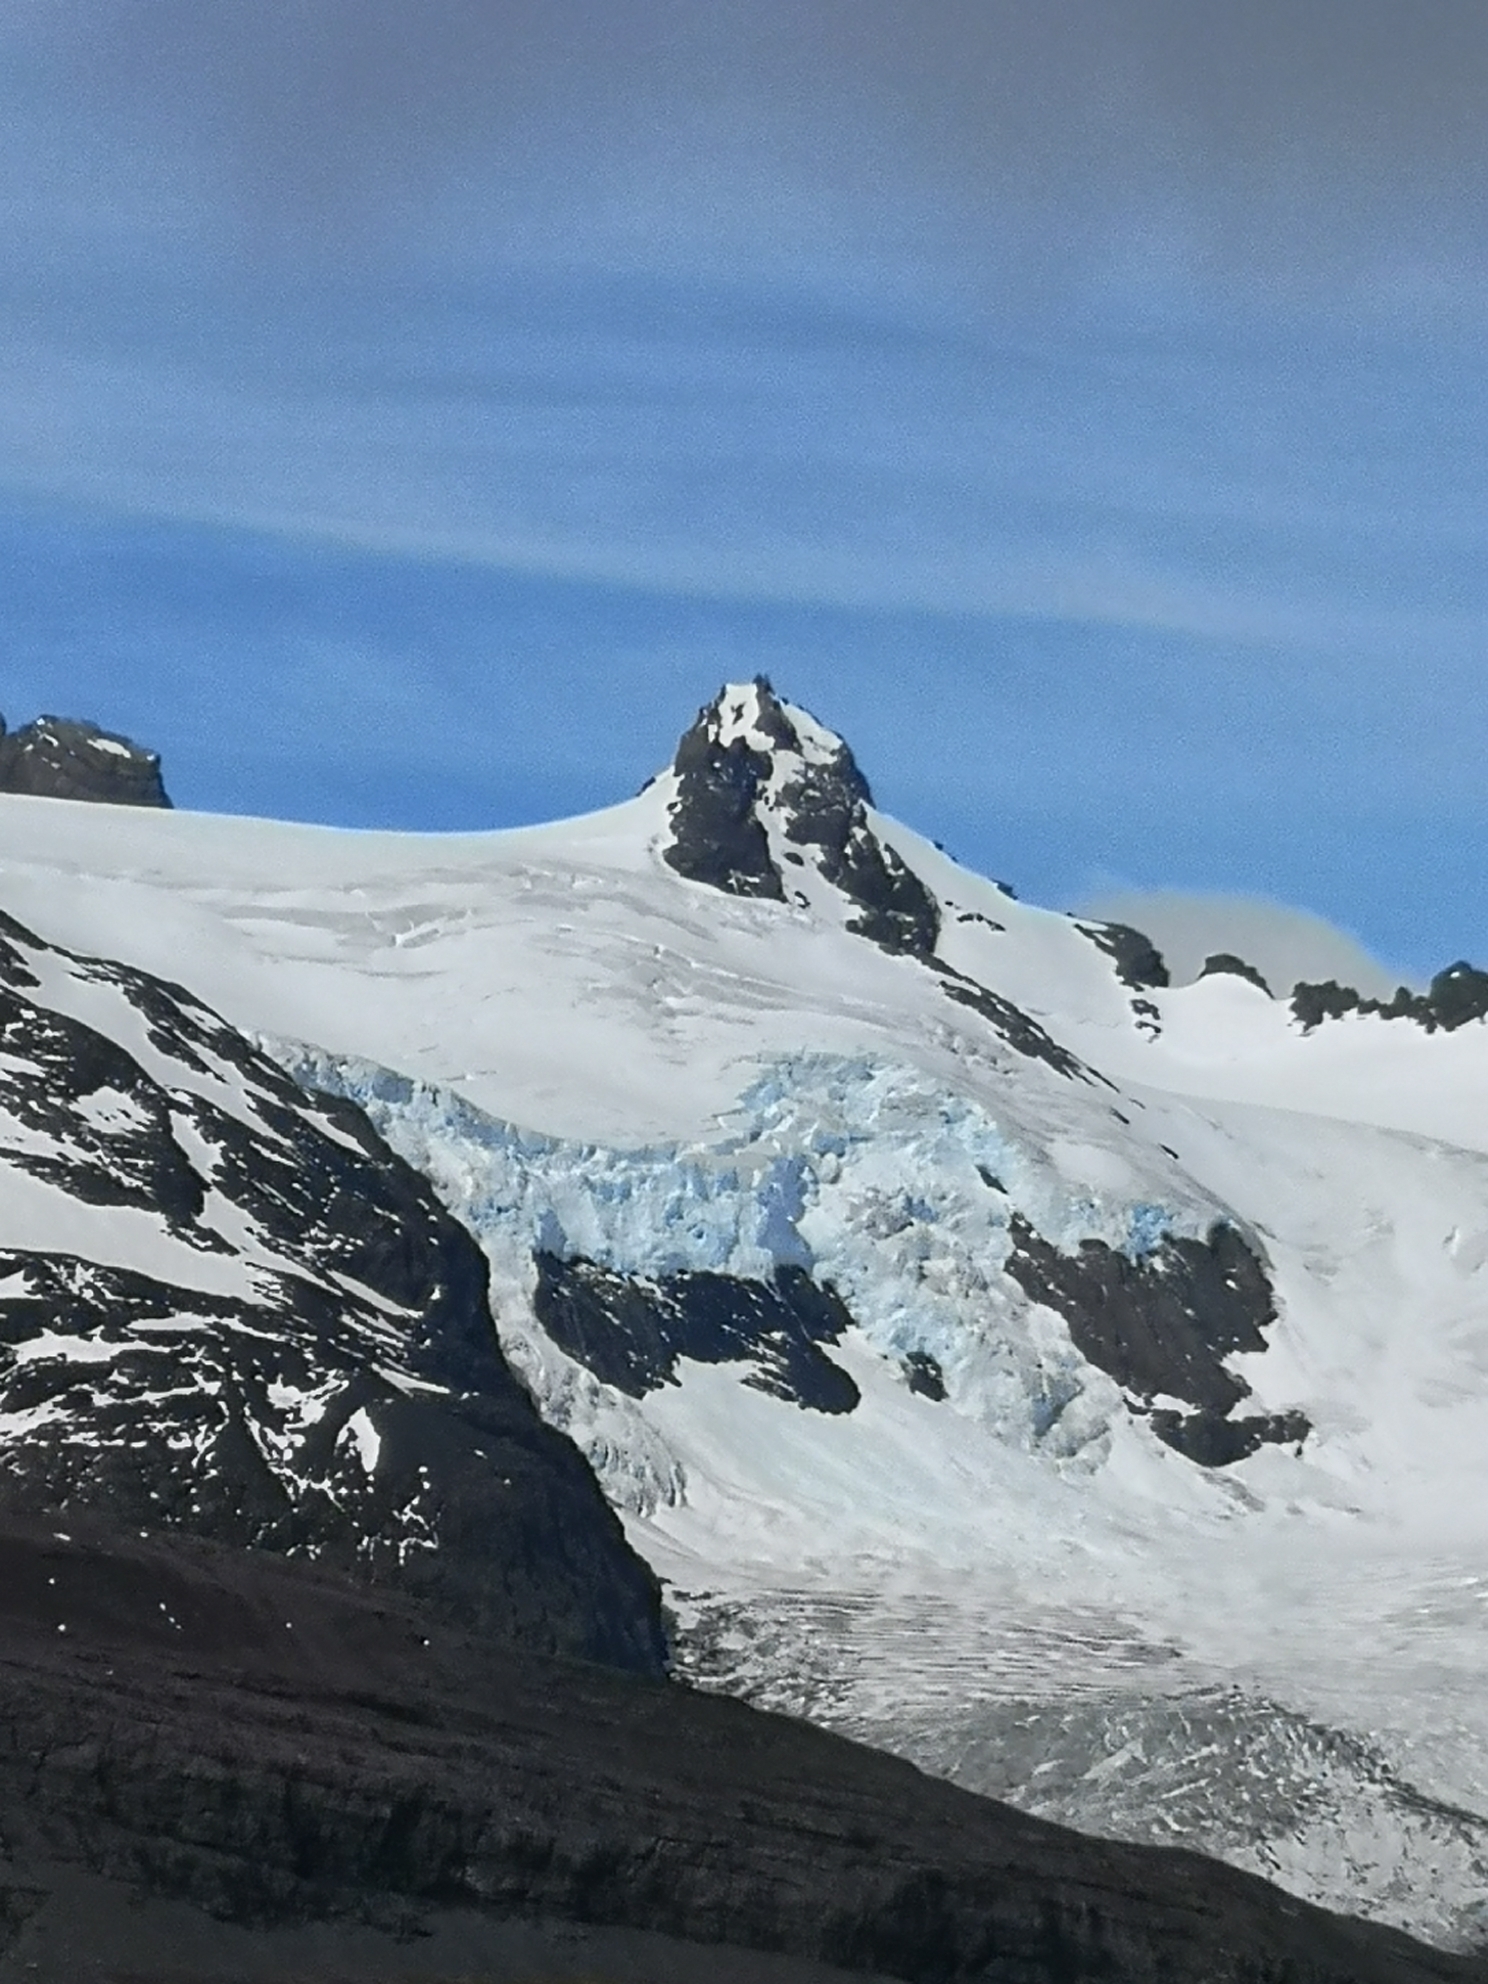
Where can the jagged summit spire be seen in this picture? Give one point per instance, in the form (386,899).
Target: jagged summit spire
(763,788)
(752,717)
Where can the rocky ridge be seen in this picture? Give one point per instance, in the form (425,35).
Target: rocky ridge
(1455,996)
(61,758)
(227,1308)
(269,1745)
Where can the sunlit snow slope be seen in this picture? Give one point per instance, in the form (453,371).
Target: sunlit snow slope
(1078,1384)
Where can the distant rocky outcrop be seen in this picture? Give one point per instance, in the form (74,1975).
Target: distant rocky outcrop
(58,758)
(1138,961)
(1454,996)
(1220,964)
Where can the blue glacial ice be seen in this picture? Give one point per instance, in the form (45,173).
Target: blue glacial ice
(863,1172)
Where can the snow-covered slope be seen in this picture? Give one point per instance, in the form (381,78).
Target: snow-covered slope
(1078,1383)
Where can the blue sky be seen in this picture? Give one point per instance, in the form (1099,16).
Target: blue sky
(409,418)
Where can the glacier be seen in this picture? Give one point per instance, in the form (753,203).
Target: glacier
(895,1192)
(984,1595)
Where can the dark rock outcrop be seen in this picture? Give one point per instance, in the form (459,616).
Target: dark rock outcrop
(825,807)
(1162,1325)
(717,838)
(742,769)
(756,797)
(58,758)
(1137,959)
(274,1745)
(922,1373)
(1454,996)
(1140,966)
(234,1312)
(1016,1027)
(632,1330)
(1225,962)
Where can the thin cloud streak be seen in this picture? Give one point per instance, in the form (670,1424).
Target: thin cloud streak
(1131,140)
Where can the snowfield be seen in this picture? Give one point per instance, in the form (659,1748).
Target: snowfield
(991,1562)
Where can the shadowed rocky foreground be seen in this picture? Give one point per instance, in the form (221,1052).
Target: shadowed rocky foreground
(216,1765)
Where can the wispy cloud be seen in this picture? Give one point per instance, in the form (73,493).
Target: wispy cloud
(1128,139)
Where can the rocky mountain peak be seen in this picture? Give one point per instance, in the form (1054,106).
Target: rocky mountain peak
(752,715)
(763,788)
(60,758)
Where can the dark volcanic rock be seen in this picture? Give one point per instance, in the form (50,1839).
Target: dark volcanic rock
(1226,961)
(631,1330)
(56,758)
(274,1745)
(1163,1325)
(237,1313)
(1454,996)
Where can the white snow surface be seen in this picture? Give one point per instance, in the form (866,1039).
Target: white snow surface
(1019,1586)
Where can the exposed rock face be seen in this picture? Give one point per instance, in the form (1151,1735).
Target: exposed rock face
(1137,959)
(57,758)
(825,804)
(1139,965)
(274,1745)
(717,837)
(756,781)
(227,1308)
(1016,1027)
(630,1330)
(922,1373)
(1162,1326)
(1220,962)
(1454,996)
(765,796)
